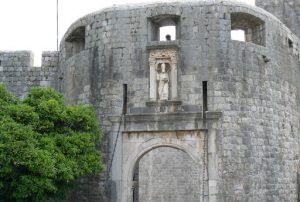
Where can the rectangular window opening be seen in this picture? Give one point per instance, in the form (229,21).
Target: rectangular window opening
(238,35)
(75,42)
(167,33)
(248,28)
(163,28)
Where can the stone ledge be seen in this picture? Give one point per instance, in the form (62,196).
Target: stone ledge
(187,116)
(166,131)
(171,116)
(163,103)
(166,121)
(163,45)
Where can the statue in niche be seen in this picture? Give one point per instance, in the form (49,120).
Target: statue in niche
(163,81)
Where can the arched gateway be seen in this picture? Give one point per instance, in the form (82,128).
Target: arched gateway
(164,166)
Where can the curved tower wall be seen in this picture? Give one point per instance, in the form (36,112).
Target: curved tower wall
(253,84)
(230,109)
(288,11)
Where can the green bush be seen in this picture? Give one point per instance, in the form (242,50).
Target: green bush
(45,145)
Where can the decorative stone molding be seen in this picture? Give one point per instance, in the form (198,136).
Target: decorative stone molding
(163,74)
(171,117)
(166,121)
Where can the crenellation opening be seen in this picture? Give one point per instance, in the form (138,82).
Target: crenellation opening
(164,28)
(252,26)
(75,42)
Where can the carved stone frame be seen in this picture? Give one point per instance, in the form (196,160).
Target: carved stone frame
(156,57)
(136,143)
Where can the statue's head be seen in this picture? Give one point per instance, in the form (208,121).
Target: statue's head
(163,67)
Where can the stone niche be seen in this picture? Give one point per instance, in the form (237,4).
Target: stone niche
(163,75)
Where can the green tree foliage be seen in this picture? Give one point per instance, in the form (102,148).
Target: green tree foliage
(45,145)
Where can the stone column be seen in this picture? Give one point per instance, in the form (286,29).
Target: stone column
(152,81)
(174,81)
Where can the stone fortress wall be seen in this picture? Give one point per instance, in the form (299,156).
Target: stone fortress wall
(231,117)
(19,74)
(288,11)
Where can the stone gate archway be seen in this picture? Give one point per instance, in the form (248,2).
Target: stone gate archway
(167,174)
(137,146)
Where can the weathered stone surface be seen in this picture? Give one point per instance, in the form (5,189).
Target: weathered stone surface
(253,88)
(287,11)
(168,174)
(19,75)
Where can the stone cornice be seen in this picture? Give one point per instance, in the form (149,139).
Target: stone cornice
(163,45)
(176,116)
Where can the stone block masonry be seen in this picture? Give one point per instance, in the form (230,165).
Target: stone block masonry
(287,11)
(16,59)
(249,128)
(19,74)
(168,174)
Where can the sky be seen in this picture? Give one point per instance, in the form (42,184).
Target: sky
(31,24)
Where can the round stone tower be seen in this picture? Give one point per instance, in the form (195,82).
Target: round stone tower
(198,117)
